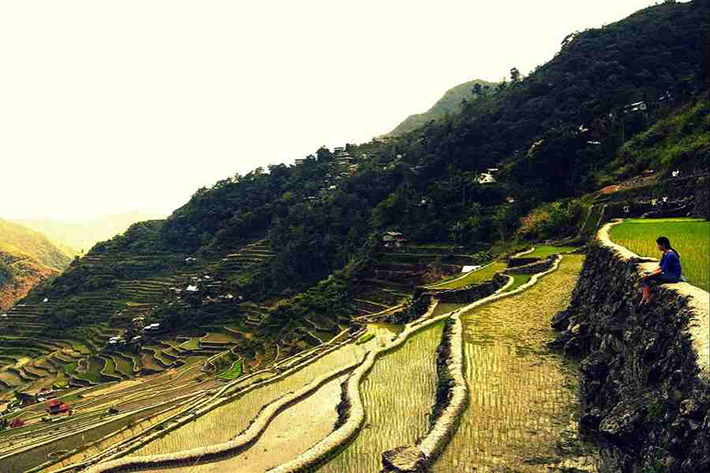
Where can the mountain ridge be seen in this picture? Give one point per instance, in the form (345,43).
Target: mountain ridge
(450,102)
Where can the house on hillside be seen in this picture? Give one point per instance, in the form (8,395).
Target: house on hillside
(393,239)
(485,178)
(636,107)
(17,423)
(55,406)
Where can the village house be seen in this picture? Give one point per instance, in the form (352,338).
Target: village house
(55,406)
(393,239)
(485,178)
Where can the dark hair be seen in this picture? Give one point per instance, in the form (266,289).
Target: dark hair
(666,243)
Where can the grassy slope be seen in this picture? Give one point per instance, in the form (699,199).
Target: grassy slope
(679,141)
(690,237)
(450,102)
(27,242)
(26,259)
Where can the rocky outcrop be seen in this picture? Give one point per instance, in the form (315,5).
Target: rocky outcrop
(645,389)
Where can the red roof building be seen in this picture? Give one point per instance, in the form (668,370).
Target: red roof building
(17,423)
(55,406)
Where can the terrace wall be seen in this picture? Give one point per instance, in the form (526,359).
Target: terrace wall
(645,389)
(537,266)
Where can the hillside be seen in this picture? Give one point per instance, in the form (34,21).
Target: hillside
(451,102)
(80,236)
(552,135)
(271,286)
(26,259)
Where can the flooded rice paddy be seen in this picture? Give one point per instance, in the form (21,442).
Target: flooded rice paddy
(523,397)
(398,394)
(226,422)
(290,434)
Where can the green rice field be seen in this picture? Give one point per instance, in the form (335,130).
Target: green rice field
(691,237)
(544,251)
(398,395)
(474,277)
(225,422)
(234,371)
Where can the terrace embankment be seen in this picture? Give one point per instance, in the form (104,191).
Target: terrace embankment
(644,386)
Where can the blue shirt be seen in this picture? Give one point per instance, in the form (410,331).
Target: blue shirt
(670,264)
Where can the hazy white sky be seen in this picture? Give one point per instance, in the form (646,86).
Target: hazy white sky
(112,106)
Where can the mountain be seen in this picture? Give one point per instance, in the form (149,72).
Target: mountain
(280,251)
(553,136)
(79,236)
(449,103)
(26,258)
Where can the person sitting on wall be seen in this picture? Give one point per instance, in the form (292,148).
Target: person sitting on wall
(668,271)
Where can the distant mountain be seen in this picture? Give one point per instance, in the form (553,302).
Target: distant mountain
(26,258)
(75,236)
(449,103)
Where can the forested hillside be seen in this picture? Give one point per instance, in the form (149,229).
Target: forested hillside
(26,258)
(452,102)
(554,135)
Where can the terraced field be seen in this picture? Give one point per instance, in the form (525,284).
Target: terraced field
(205,392)
(523,397)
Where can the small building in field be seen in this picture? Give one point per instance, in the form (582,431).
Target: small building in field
(16,423)
(55,406)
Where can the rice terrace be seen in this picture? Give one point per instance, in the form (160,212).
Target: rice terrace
(515,280)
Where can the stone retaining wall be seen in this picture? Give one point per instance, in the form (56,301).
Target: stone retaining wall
(466,294)
(645,389)
(536,267)
(514,262)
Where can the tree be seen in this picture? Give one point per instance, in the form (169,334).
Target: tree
(515,76)
(477,90)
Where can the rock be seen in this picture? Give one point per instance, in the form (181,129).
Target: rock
(559,342)
(561,320)
(621,425)
(404,459)
(595,365)
(574,346)
(689,408)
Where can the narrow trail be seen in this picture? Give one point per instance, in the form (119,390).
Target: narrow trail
(523,397)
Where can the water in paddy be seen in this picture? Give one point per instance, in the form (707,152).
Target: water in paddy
(398,394)
(523,398)
(225,422)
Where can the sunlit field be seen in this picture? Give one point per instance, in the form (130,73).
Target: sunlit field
(691,237)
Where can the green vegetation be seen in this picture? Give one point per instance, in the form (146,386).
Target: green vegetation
(690,237)
(519,280)
(474,277)
(397,395)
(679,141)
(543,251)
(453,101)
(233,372)
(365,338)
(21,241)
